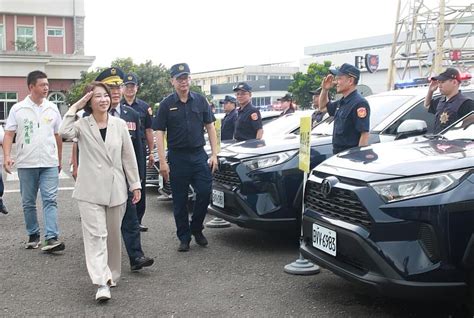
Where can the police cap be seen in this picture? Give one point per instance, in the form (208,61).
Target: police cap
(346,69)
(179,69)
(243,87)
(316,91)
(228,99)
(450,73)
(131,78)
(286,98)
(111,76)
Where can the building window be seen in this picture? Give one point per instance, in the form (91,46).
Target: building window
(60,100)
(213,81)
(56,32)
(285,77)
(24,39)
(261,102)
(274,77)
(7,100)
(229,79)
(262,77)
(251,77)
(1,38)
(236,78)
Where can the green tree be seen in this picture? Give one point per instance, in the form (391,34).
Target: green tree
(77,89)
(304,83)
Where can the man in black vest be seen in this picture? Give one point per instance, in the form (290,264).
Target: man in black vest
(452,105)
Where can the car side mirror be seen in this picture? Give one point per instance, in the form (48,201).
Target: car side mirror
(411,127)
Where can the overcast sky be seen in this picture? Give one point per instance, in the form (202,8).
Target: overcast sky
(217,34)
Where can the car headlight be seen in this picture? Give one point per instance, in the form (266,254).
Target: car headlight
(408,188)
(268,161)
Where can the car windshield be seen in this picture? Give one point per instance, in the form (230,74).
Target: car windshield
(381,106)
(463,129)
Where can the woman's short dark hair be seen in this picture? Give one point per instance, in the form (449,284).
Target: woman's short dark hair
(89,88)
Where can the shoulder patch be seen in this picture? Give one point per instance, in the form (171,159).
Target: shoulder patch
(254,116)
(361,112)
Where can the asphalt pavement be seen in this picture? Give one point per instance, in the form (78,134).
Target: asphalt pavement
(240,274)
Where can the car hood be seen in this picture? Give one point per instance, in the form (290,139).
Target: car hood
(253,148)
(416,156)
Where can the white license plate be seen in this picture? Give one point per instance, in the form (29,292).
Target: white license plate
(160,181)
(324,239)
(218,198)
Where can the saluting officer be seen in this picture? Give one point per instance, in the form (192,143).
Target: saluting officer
(249,121)
(317,116)
(113,78)
(453,104)
(228,123)
(351,112)
(146,134)
(183,116)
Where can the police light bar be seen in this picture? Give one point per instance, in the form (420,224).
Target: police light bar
(416,82)
(465,76)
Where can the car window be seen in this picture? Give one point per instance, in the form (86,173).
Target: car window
(418,112)
(464,129)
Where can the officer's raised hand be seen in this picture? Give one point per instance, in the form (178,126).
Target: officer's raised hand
(328,82)
(433,86)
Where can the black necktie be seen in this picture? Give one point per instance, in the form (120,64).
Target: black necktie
(113,111)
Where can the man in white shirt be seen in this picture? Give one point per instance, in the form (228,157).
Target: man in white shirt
(35,121)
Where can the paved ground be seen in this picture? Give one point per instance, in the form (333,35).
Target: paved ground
(240,274)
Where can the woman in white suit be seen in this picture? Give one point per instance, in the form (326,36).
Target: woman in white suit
(107,165)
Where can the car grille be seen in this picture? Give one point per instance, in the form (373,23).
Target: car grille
(340,204)
(226,176)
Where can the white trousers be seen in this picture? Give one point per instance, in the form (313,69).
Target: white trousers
(102,240)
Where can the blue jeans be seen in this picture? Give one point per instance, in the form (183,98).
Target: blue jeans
(189,168)
(46,180)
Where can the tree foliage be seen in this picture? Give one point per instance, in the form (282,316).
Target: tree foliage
(304,83)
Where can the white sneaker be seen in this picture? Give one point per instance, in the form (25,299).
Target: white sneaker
(103,293)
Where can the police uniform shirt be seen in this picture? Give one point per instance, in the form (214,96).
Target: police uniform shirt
(132,118)
(145,112)
(351,118)
(228,125)
(248,122)
(184,122)
(448,111)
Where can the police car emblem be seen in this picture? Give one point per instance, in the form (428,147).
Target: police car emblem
(444,117)
(113,71)
(326,188)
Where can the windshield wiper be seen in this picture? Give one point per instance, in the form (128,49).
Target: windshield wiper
(436,136)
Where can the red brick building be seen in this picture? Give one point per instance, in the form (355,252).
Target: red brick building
(46,35)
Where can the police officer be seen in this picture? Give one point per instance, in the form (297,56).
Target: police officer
(287,105)
(113,78)
(183,116)
(228,123)
(146,133)
(249,121)
(351,112)
(317,116)
(452,105)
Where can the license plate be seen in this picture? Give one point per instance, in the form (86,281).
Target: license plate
(324,239)
(160,181)
(218,198)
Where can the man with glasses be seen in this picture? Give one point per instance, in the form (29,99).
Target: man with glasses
(351,112)
(249,121)
(183,116)
(452,105)
(113,78)
(146,134)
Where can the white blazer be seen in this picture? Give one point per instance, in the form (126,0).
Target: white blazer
(104,167)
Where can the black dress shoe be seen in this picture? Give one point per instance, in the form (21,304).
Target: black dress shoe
(141,262)
(143,228)
(200,239)
(3,208)
(183,246)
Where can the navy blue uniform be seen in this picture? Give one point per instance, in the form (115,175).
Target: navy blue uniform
(448,111)
(248,122)
(351,118)
(130,226)
(228,125)
(184,124)
(145,123)
(290,110)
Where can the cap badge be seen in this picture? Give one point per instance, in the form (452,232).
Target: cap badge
(130,78)
(181,67)
(113,71)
